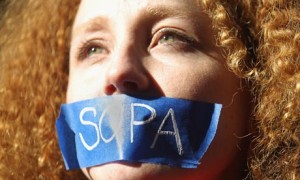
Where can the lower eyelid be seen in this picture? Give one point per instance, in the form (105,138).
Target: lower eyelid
(93,59)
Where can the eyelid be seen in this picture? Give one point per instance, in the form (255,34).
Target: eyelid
(84,45)
(178,32)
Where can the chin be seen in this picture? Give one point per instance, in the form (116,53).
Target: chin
(137,171)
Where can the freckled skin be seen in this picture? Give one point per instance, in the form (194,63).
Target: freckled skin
(157,48)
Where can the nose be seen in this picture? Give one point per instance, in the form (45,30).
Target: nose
(126,74)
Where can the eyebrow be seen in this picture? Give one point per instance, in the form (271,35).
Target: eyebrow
(149,13)
(92,25)
(162,11)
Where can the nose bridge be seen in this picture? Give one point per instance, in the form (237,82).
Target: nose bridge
(125,65)
(126,72)
(126,55)
(126,51)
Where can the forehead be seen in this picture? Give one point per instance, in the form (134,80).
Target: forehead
(123,9)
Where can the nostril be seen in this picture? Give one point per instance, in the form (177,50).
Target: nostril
(130,86)
(125,87)
(125,78)
(109,90)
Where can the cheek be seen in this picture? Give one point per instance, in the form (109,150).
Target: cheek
(84,84)
(209,82)
(230,142)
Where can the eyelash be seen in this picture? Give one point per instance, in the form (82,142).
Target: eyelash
(86,45)
(181,41)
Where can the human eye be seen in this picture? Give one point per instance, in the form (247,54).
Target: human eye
(94,49)
(173,38)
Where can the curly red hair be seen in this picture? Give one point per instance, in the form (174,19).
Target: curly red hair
(260,39)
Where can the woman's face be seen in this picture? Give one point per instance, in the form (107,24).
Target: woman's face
(156,48)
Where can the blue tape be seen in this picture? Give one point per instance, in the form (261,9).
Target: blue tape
(167,131)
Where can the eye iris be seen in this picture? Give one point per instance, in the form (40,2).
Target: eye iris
(167,38)
(94,50)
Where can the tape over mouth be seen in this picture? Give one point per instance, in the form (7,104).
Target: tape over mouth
(167,131)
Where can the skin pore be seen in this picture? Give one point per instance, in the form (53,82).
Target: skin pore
(157,48)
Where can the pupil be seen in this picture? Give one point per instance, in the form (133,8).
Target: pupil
(168,37)
(93,50)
